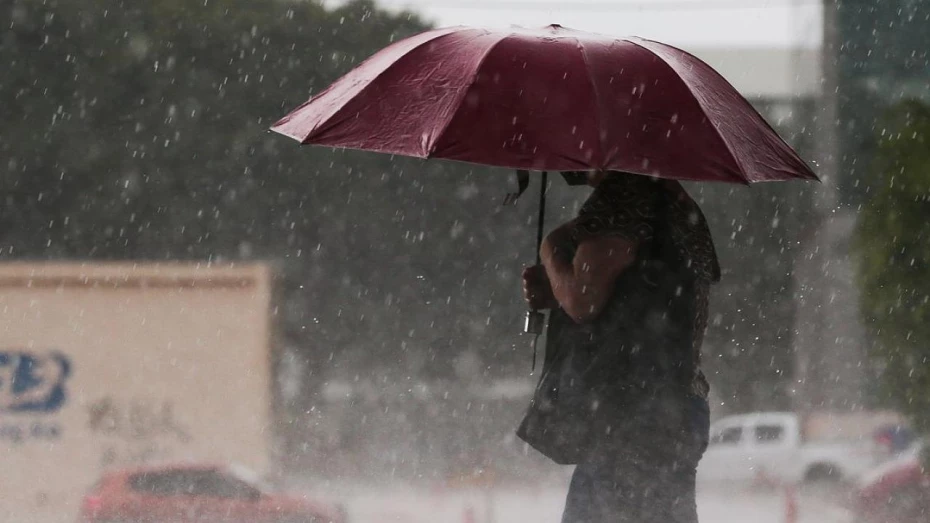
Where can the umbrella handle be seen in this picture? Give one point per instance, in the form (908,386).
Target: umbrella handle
(535,321)
(534,324)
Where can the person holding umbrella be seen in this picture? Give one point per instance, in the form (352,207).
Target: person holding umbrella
(622,394)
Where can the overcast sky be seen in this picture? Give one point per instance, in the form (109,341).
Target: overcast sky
(696,23)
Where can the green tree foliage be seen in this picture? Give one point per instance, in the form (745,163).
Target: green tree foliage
(138,131)
(893,244)
(883,58)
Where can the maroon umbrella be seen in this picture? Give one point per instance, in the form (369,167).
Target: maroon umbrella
(551,99)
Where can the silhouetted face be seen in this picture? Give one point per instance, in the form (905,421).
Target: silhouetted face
(575,177)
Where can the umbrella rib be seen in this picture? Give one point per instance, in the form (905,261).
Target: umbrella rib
(461,95)
(597,102)
(704,109)
(331,120)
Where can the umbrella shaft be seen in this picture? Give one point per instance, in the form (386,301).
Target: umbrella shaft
(542,215)
(535,321)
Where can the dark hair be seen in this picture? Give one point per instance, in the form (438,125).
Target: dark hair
(575,177)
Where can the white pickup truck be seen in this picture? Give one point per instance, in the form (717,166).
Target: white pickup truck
(784,447)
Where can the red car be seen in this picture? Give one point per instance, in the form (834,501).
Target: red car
(195,494)
(896,492)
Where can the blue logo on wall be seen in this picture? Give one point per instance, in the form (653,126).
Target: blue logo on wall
(33,382)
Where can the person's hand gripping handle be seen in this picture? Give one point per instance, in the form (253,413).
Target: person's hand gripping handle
(538,295)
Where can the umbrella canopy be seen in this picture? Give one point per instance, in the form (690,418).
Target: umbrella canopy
(551,99)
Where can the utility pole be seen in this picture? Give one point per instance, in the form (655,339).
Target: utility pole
(828,140)
(828,338)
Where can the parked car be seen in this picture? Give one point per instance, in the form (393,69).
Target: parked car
(895,437)
(783,447)
(195,494)
(897,491)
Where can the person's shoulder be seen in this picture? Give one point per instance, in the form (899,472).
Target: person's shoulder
(627,224)
(609,243)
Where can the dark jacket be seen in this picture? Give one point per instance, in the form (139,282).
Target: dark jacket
(630,371)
